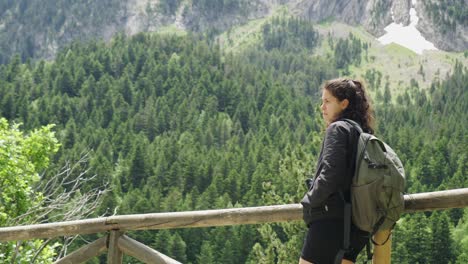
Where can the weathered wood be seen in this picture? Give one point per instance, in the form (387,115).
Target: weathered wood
(142,252)
(224,217)
(382,251)
(457,198)
(208,218)
(114,254)
(87,226)
(85,253)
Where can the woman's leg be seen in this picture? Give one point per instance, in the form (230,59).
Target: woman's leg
(344,261)
(322,242)
(303,261)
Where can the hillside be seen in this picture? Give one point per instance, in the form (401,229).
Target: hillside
(174,123)
(38,29)
(397,65)
(196,117)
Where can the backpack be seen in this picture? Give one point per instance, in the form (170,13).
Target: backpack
(378,185)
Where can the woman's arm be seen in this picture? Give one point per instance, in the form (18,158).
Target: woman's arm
(333,167)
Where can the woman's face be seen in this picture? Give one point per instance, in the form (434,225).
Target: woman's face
(331,106)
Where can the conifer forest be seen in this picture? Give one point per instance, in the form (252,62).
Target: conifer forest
(163,123)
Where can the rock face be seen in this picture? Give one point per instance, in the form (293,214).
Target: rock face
(143,15)
(134,16)
(400,11)
(368,13)
(450,40)
(373,15)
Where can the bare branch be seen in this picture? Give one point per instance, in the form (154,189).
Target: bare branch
(63,201)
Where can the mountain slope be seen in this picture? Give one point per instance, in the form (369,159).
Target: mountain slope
(400,64)
(38,28)
(397,65)
(175,124)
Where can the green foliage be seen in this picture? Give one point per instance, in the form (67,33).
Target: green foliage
(25,156)
(410,237)
(441,239)
(216,8)
(22,158)
(175,124)
(289,34)
(348,51)
(460,234)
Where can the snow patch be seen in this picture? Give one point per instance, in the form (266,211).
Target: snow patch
(408,36)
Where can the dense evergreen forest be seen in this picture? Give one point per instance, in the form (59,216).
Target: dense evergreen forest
(173,123)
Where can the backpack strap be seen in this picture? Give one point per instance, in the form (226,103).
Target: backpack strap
(370,255)
(354,156)
(354,124)
(347,205)
(346,230)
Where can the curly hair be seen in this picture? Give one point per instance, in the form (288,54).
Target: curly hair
(359,108)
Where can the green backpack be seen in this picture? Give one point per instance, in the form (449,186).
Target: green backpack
(377,186)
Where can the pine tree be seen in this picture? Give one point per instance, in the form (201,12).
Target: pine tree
(416,237)
(138,169)
(206,254)
(441,242)
(177,248)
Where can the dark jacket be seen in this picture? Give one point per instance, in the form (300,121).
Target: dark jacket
(335,168)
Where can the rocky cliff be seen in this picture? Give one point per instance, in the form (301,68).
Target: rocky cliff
(447,33)
(37,29)
(373,14)
(445,26)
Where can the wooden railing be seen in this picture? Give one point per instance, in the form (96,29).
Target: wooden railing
(116,243)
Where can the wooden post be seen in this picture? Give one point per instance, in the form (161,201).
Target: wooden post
(114,255)
(85,253)
(143,253)
(382,251)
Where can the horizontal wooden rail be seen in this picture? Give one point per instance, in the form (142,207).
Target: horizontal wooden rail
(457,198)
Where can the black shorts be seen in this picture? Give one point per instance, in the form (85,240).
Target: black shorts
(325,238)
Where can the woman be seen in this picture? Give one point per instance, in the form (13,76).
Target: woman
(341,99)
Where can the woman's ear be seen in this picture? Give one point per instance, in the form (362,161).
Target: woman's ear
(344,104)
